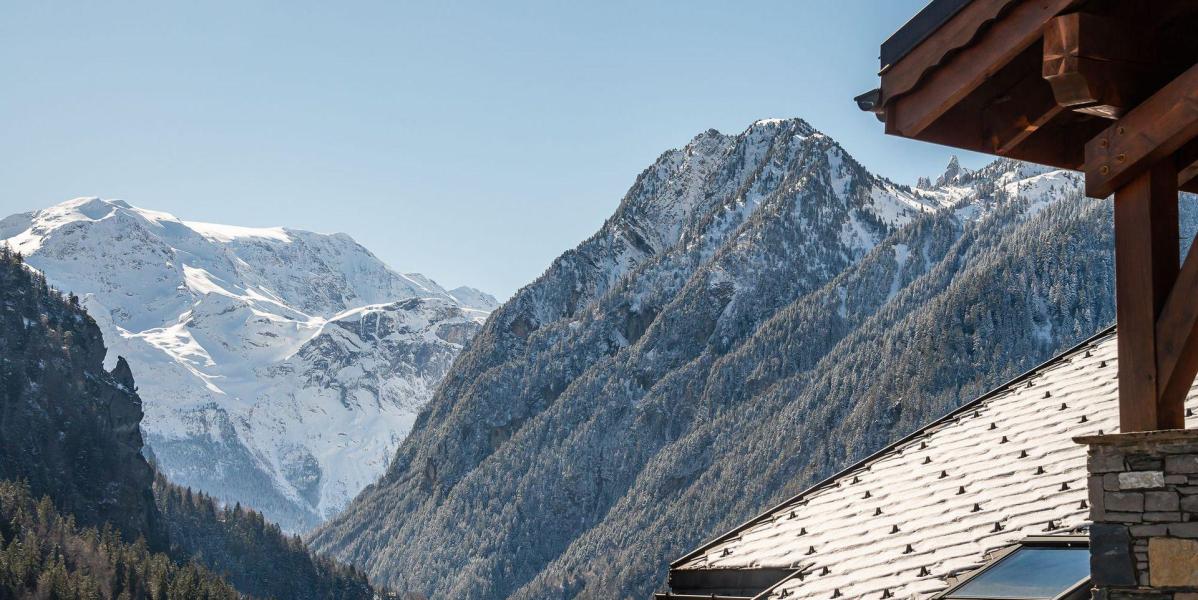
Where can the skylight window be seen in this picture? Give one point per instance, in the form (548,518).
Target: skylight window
(1031,572)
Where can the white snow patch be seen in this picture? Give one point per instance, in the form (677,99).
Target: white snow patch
(229,233)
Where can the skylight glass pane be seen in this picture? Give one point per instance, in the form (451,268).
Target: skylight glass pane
(1029,573)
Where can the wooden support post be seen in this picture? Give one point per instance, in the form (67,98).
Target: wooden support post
(1146,266)
(1177,341)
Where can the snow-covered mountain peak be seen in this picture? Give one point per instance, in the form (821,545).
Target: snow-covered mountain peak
(743,282)
(316,274)
(261,351)
(953,172)
(975,194)
(474,298)
(795,123)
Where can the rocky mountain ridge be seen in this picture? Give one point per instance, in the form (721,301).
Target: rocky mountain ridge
(639,395)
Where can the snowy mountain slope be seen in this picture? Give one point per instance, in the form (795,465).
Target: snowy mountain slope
(280,368)
(628,403)
(474,298)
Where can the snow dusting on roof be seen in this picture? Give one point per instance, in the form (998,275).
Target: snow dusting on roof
(896,525)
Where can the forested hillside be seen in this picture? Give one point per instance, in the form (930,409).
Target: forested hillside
(759,312)
(68,427)
(81,511)
(44,554)
(250,552)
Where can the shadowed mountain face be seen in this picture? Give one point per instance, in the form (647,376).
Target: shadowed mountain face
(68,427)
(758,312)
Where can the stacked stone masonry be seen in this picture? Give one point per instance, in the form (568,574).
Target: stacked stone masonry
(1144,508)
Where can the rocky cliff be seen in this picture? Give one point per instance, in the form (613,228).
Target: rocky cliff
(68,427)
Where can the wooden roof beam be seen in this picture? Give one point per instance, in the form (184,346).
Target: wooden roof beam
(1153,131)
(946,85)
(1019,111)
(1095,67)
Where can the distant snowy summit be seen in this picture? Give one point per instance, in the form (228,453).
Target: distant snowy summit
(279,368)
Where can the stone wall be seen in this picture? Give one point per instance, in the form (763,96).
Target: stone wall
(1144,508)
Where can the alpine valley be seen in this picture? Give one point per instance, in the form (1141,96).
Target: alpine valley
(279,368)
(759,312)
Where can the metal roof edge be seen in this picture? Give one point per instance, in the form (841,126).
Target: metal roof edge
(925,22)
(767,592)
(886,449)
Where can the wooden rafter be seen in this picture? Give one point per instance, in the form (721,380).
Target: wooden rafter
(1152,132)
(1177,337)
(1019,111)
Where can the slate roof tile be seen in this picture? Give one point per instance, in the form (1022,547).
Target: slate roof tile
(899,523)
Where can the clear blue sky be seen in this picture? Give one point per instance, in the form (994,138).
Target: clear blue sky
(470,141)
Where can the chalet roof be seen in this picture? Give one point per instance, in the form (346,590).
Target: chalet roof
(935,14)
(933,505)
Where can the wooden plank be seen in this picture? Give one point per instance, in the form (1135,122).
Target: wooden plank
(901,77)
(1016,104)
(1177,342)
(1061,143)
(1146,264)
(1149,134)
(949,84)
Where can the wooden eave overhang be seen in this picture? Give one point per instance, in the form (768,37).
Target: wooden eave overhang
(1033,80)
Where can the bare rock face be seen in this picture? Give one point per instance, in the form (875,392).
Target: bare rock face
(67,426)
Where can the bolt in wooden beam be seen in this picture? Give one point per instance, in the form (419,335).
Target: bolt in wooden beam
(1151,133)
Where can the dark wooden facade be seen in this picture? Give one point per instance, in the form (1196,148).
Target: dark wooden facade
(1109,87)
